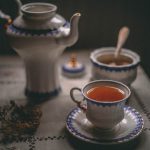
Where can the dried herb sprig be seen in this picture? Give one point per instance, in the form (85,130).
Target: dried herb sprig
(17,121)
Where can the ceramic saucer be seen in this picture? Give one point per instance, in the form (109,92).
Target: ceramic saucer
(129,128)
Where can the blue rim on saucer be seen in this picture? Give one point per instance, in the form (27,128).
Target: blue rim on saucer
(129,128)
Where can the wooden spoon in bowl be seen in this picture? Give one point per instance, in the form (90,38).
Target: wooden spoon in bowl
(122,37)
(118,59)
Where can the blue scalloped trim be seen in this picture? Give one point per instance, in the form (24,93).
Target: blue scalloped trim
(109,104)
(37,32)
(117,69)
(139,126)
(39,95)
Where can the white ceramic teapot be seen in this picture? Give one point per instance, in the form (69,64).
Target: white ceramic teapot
(39,35)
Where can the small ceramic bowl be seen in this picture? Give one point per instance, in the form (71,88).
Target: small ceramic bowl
(125,70)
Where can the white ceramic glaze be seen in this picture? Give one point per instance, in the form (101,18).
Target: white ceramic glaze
(103,114)
(124,73)
(40,36)
(128,129)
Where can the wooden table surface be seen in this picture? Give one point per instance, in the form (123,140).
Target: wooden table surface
(51,133)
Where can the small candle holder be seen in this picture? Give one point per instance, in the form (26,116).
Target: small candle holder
(73,68)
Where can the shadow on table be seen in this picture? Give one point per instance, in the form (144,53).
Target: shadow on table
(80,145)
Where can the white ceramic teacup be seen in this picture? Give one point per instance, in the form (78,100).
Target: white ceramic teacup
(102,69)
(102,114)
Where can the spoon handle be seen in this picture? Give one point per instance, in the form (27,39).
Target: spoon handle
(122,37)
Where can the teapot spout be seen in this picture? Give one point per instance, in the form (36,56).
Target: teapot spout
(73,35)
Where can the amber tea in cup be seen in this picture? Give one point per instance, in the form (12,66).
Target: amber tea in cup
(105,93)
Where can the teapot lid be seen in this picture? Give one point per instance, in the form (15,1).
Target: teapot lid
(38,11)
(39,16)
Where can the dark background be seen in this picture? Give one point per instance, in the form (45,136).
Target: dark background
(99,24)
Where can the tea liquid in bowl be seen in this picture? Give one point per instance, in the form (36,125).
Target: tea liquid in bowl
(110,60)
(105,93)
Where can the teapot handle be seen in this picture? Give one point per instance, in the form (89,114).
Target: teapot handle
(6,19)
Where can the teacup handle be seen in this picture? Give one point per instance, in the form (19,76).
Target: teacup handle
(78,102)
